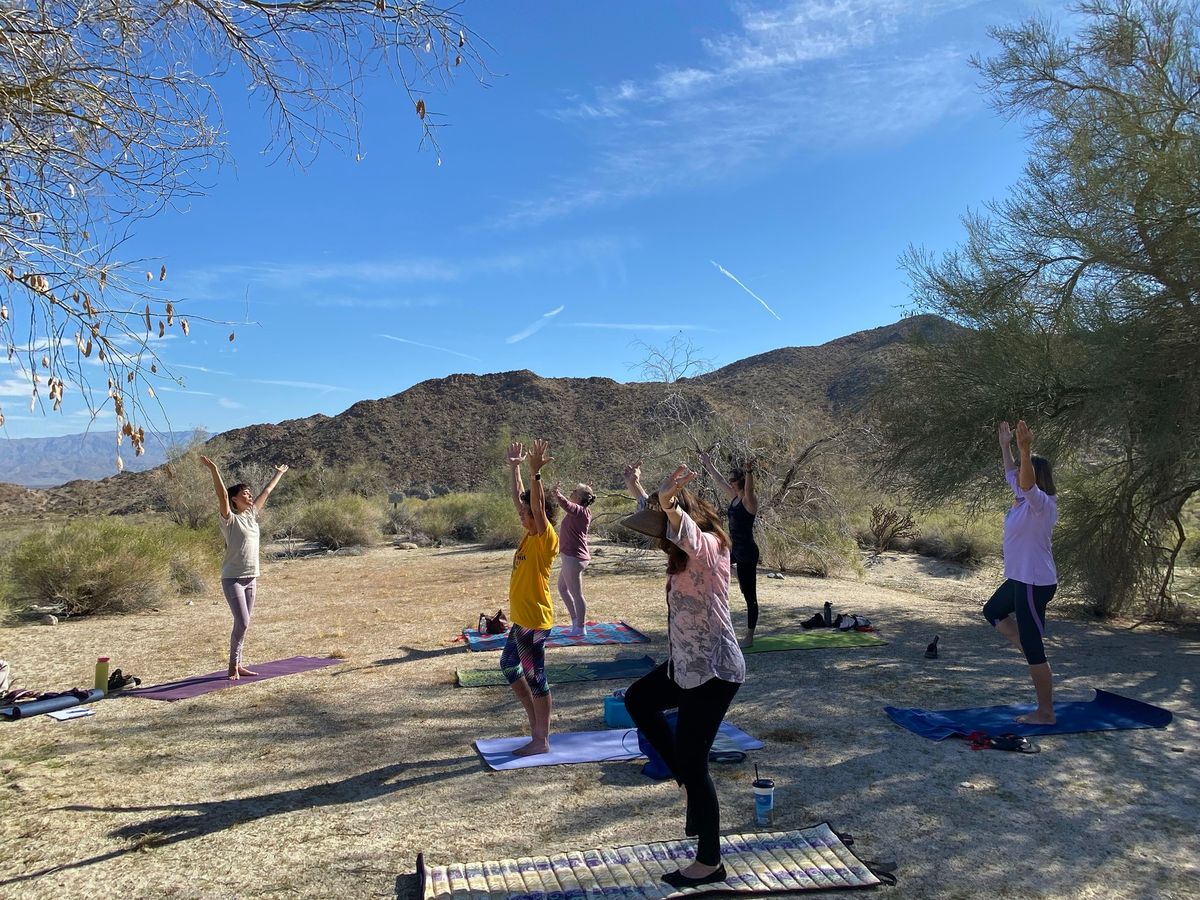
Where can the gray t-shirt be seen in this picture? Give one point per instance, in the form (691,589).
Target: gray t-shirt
(241,544)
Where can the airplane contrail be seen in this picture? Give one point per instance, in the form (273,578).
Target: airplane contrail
(400,340)
(724,271)
(537,326)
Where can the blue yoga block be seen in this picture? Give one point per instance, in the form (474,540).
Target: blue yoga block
(615,714)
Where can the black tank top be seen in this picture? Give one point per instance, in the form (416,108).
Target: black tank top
(741,526)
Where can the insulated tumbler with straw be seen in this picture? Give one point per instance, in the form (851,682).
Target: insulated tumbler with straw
(102,674)
(764,799)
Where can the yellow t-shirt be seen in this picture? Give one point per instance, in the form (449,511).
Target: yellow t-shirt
(529,587)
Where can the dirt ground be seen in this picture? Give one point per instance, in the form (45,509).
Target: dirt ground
(328,783)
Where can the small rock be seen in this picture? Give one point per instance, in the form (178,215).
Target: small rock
(599,551)
(188,603)
(48,619)
(405,545)
(966,784)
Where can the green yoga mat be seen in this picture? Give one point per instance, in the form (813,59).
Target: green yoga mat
(815,640)
(584,671)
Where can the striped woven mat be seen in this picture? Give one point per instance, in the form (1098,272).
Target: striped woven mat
(811,859)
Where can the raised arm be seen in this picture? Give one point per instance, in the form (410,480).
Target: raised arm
(571,509)
(261,500)
(1026,477)
(218,485)
(1004,433)
(633,483)
(749,498)
(539,456)
(722,485)
(669,489)
(516,453)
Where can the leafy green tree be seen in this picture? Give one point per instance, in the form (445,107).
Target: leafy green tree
(1080,297)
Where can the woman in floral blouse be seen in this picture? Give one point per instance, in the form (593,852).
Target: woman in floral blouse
(703,671)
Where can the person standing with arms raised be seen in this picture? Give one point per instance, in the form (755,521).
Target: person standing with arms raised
(743,508)
(238,511)
(523,661)
(1018,608)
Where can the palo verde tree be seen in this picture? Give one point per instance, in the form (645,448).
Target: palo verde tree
(1080,294)
(109,112)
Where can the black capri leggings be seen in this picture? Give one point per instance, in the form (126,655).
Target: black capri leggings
(1028,603)
(701,710)
(746,558)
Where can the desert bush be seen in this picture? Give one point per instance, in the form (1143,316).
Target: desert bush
(807,546)
(486,518)
(958,537)
(888,525)
(107,566)
(184,487)
(334,523)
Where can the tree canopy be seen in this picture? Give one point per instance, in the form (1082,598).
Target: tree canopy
(1080,293)
(109,111)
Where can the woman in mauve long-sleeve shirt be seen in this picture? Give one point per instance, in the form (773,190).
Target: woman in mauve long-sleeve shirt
(573,552)
(704,666)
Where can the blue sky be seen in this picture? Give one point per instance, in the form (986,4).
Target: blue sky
(619,167)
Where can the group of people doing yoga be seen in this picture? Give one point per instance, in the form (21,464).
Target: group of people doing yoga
(704,667)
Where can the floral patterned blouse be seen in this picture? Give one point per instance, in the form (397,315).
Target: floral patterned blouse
(700,636)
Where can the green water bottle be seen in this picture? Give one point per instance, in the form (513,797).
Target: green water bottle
(102,674)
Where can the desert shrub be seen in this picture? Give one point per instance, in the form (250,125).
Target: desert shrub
(346,521)
(106,565)
(888,525)
(958,537)
(808,546)
(486,518)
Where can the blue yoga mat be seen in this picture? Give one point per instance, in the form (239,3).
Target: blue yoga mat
(1105,712)
(588,746)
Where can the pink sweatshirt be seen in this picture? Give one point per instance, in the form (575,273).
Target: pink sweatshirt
(572,533)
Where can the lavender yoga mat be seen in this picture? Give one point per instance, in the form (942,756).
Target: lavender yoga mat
(215,681)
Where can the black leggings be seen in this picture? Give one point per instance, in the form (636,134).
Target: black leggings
(1028,603)
(701,710)
(747,575)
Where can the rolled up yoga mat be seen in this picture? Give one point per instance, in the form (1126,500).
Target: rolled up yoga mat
(39,707)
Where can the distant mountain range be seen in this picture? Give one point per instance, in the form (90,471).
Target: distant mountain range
(51,461)
(441,433)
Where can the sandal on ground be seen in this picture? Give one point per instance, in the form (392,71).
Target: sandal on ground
(1015,743)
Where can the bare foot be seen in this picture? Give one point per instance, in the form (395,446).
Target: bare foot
(1038,717)
(234,675)
(747,642)
(533,748)
(242,670)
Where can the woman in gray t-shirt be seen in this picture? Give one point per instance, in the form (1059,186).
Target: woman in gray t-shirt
(238,517)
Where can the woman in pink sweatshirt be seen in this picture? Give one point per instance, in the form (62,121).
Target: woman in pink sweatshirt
(573,552)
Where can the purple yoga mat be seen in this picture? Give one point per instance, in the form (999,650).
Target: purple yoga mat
(215,681)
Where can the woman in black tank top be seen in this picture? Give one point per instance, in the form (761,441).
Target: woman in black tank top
(743,507)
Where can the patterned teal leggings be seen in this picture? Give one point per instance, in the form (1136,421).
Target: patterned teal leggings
(525,656)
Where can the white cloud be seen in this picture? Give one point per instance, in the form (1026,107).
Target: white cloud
(535,327)
(204,369)
(400,340)
(809,74)
(226,403)
(737,281)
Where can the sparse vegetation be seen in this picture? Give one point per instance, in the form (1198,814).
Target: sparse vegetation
(108,566)
(347,521)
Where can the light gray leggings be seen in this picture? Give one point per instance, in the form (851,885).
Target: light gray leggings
(570,587)
(239,593)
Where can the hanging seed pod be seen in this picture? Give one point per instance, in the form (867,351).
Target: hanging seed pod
(149,276)
(162,274)
(150,392)
(139,450)
(458,60)
(3,313)
(87,348)
(420,109)
(153,369)
(170,313)
(12,276)
(184,325)
(428,45)
(162,329)
(148,326)
(380,6)
(231,337)
(86,236)
(129,378)
(127,429)
(118,406)
(100,354)
(120,463)
(103,278)
(45,362)
(462,38)
(1,418)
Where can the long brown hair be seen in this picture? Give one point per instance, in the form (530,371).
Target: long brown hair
(706,517)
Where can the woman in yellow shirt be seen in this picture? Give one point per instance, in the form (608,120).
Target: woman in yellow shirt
(523,661)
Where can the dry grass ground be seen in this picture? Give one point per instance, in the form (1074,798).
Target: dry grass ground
(327,784)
